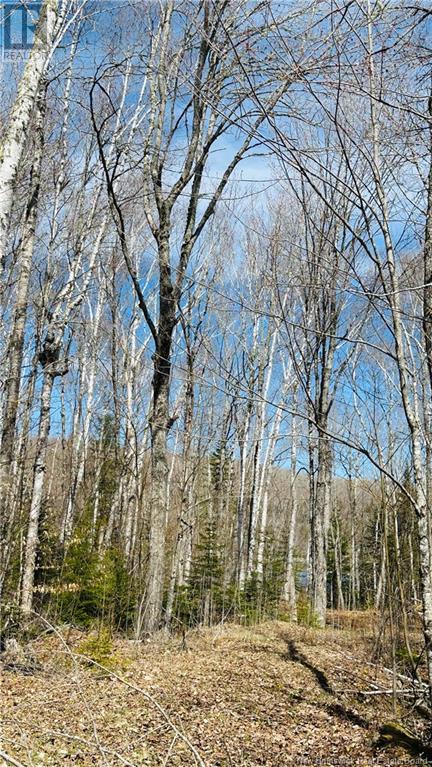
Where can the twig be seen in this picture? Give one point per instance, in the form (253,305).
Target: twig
(77,656)
(78,683)
(79,739)
(415,682)
(11,760)
(149,697)
(386,692)
(170,750)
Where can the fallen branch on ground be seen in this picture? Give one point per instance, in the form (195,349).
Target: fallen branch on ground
(76,657)
(386,692)
(148,697)
(11,760)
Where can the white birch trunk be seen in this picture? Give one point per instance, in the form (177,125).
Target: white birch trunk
(263,456)
(289,591)
(16,343)
(19,122)
(268,462)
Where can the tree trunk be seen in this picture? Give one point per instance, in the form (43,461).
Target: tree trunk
(16,344)
(261,458)
(37,494)
(159,425)
(337,553)
(319,532)
(354,576)
(289,591)
(19,121)
(81,442)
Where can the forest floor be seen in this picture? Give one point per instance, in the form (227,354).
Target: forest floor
(271,695)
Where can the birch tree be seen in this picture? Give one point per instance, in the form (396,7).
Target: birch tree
(212,100)
(17,131)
